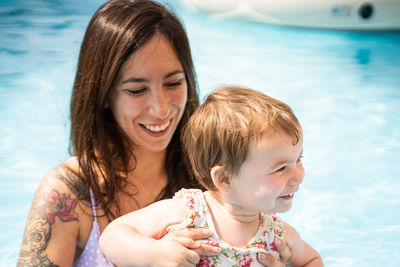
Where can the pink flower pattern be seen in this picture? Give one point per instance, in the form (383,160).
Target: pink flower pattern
(261,244)
(205,262)
(245,260)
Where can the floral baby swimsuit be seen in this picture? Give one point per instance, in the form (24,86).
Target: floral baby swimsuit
(270,227)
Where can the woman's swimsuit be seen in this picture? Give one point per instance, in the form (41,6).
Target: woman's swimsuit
(264,240)
(92,254)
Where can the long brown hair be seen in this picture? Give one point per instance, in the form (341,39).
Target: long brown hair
(116,31)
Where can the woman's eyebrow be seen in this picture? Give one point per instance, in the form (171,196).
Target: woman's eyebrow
(134,80)
(142,80)
(166,76)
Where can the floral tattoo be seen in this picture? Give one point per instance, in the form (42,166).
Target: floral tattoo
(46,207)
(60,206)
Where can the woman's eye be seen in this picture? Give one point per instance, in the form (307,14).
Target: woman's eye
(136,91)
(174,84)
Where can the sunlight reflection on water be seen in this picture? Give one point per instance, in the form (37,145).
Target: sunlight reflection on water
(344,88)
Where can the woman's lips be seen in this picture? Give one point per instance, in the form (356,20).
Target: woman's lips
(157,130)
(157,127)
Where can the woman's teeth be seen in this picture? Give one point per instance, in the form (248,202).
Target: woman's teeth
(157,128)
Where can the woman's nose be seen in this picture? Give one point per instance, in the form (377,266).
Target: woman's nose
(159,106)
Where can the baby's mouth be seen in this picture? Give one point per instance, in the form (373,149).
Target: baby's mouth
(287,197)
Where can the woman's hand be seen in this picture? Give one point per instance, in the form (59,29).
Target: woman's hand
(125,247)
(174,251)
(179,247)
(182,231)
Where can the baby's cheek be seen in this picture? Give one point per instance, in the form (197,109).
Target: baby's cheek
(265,195)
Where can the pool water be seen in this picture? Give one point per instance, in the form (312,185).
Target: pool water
(343,86)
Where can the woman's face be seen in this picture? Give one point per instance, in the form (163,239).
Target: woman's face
(150,94)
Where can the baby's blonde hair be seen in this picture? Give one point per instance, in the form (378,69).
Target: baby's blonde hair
(221,130)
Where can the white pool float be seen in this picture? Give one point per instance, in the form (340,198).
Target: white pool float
(372,15)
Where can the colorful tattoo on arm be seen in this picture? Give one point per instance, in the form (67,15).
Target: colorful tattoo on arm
(46,208)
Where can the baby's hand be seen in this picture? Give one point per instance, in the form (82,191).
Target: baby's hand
(284,253)
(283,249)
(269,260)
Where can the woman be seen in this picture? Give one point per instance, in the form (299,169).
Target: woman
(134,89)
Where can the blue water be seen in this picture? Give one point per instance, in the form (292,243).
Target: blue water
(344,88)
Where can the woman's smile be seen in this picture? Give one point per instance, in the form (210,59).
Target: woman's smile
(156,128)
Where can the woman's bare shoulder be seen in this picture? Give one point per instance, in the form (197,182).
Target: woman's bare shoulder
(65,178)
(54,219)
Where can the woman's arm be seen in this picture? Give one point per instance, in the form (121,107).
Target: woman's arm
(140,238)
(302,254)
(52,226)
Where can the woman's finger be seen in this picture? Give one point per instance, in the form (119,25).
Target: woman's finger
(193,233)
(269,260)
(184,224)
(207,250)
(189,256)
(186,242)
(192,257)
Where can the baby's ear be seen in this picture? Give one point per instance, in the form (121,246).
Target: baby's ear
(221,179)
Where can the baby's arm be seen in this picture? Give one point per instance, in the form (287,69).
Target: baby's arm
(140,238)
(302,254)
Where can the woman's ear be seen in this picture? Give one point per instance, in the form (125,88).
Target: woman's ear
(107,104)
(221,179)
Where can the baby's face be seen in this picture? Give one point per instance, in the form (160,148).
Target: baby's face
(270,176)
